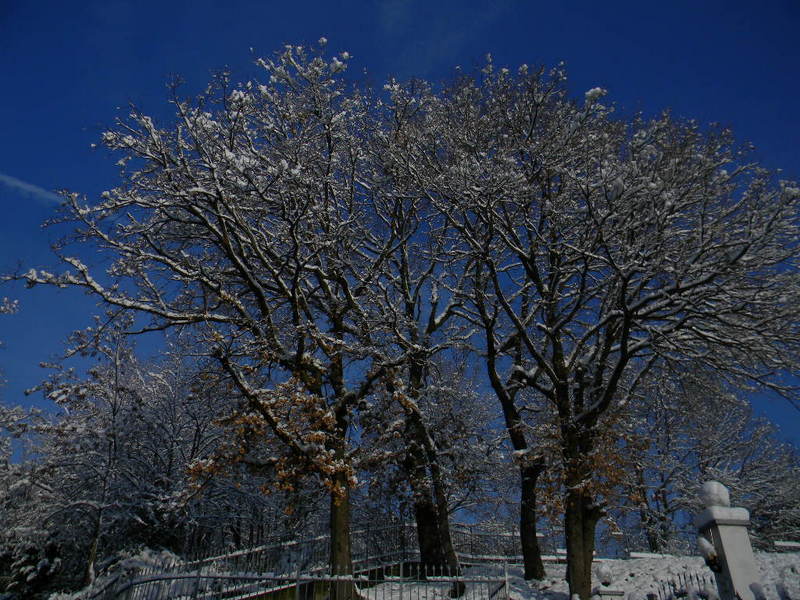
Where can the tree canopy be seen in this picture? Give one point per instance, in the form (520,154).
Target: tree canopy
(330,249)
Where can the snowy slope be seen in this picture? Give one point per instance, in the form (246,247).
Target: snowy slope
(635,577)
(639,577)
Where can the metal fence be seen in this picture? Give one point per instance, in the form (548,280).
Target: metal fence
(387,553)
(474,544)
(370,547)
(686,585)
(384,583)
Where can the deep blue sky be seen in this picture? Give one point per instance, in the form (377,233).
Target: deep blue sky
(66,66)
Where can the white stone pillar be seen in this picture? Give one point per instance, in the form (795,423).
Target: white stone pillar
(727,548)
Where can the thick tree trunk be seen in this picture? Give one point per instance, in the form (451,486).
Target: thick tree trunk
(443,516)
(531,553)
(581,513)
(340,552)
(437,554)
(431,554)
(341,561)
(430,498)
(580,523)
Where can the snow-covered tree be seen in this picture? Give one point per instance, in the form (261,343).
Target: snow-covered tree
(696,430)
(121,465)
(456,423)
(245,222)
(419,314)
(323,245)
(91,480)
(602,247)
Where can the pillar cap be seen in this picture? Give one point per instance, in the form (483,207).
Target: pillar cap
(722,515)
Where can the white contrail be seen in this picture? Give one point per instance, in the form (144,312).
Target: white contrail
(29,189)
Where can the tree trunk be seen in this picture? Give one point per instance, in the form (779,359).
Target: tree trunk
(431,553)
(443,515)
(341,561)
(340,556)
(97,529)
(430,498)
(437,554)
(581,514)
(580,523)
(647,515)
(531,552)
(89,573)
(529,473)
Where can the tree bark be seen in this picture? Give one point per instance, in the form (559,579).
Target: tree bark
(443,516)
(529,475)
(430,494)
(431,552)
(341,560)
(531,553)
(646,514)
(580,523)
(340,551)
(581,514)
(530,470)
(437,554)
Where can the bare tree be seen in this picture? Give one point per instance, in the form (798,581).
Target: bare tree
(323,246)
(245,222)
(433,456)
(418,313)
(113,469)
(694,428)
(602,247)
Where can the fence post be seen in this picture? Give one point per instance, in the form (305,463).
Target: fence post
(471,543)
(725,543)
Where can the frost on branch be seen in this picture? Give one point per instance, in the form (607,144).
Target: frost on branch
(323,248)
(593,94)
(8,306)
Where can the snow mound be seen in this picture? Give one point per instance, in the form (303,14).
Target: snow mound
(780,576)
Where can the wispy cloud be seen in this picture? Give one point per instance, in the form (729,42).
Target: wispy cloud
(29,189)
(394,15)
(434,38)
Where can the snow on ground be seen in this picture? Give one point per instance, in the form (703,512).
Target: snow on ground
(780,577)
(640,577)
